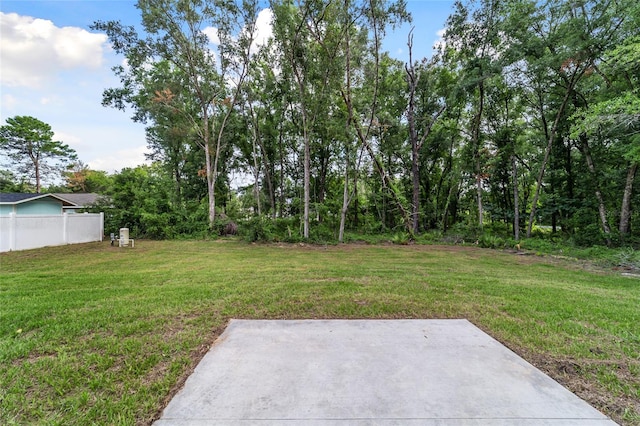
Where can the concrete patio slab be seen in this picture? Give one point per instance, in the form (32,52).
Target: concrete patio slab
(369,372)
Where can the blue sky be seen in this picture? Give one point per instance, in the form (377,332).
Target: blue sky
(54,67)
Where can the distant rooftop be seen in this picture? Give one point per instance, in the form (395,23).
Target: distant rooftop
(76,200)
(16,197)
(79,199)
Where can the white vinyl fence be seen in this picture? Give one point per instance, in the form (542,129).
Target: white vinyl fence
(22,232)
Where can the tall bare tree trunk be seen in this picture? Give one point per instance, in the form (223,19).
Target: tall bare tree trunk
(38,184)
(476,144)
(415,193)
(479,194)
(625,210)
(307,185)
(413,137)
(268,177)
(345,201)
(210,173)
(416,142)
(345,191)
(307,156)
(256,176)
(602,211)
(516,206)
(281,197)
(265,162)
(306,126)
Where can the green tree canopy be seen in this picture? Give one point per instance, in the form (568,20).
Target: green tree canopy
(32,153)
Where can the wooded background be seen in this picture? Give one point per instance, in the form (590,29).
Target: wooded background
(526,118)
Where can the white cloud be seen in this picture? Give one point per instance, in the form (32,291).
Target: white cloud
(73,141)
(212,34)
(439,43)
(131,157)
(35,50)
(263,31)
(9,102)
(51,100)
(57,74)
(264,27)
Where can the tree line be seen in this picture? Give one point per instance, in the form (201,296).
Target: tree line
(527,116)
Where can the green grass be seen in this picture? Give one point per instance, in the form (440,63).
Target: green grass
(98,334)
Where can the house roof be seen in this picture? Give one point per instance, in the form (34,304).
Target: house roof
(18,198)
(79,199)
(14,197)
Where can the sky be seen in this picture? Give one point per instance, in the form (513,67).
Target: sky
(54,67)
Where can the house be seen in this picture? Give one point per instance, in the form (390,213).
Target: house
(80,201)
(39,220)
(44,204)
(31,204)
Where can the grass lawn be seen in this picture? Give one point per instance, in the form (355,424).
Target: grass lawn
(94,334)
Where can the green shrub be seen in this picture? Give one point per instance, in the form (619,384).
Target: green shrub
(538,231)
(352,237)
(590,235)
(321,233)
(258,229)
(497,228)
(287,229)
(511,243)
(192,220)
(628,258)
(464,232)
(223,226)
(491,241)
(156,225)
(544,245)
(430,236)
(401,238)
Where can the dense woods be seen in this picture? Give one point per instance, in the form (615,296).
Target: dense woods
(526,118)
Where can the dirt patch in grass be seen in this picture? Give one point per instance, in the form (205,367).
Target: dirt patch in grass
(32,358)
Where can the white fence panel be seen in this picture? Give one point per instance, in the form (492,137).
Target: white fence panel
(6,228)
(84,228)
(33,231)
(38,231)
